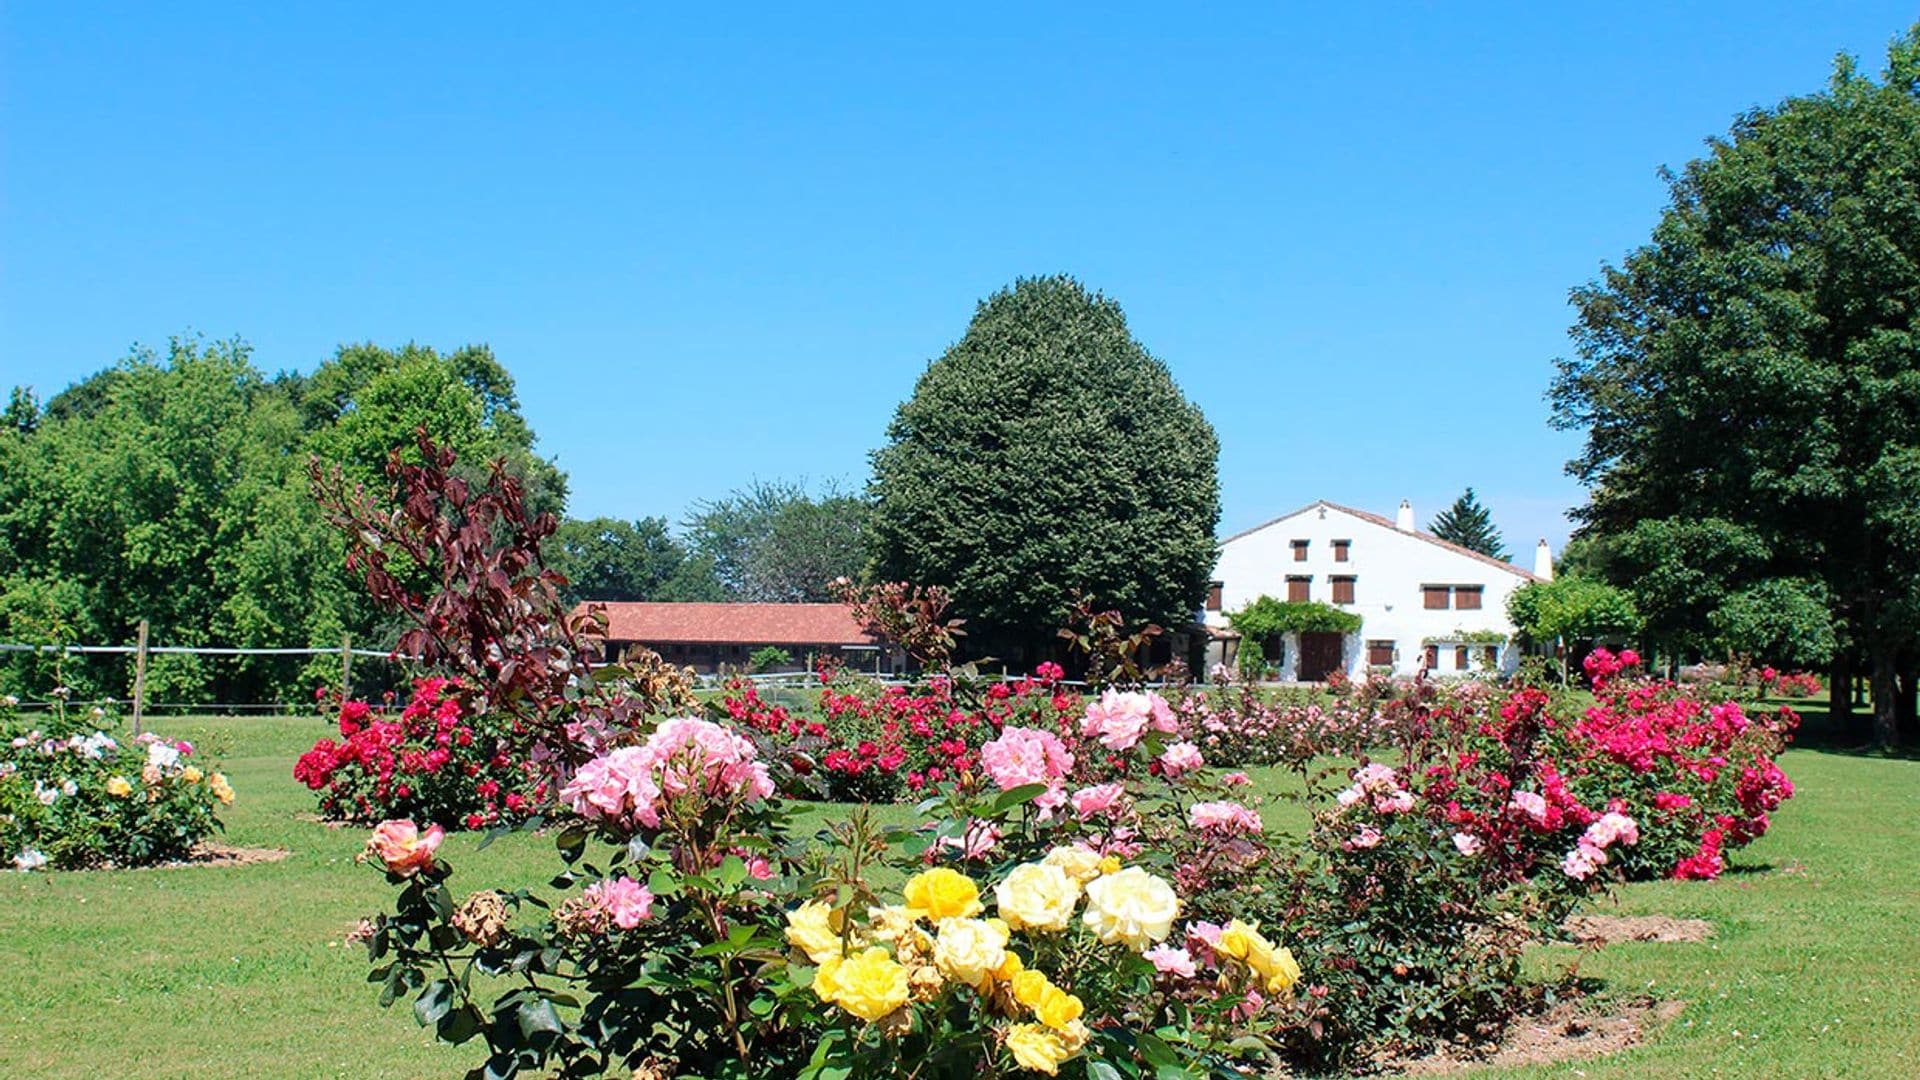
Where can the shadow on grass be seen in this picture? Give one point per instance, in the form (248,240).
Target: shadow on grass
(1848,736)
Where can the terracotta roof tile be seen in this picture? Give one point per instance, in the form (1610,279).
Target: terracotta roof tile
(733,624)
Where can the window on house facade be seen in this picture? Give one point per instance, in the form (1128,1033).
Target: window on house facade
(1431,657)
(1340,550)
(1435,597)
(1297,589)
(1299,551)
(1343,590)
(1467,597)
(1213,595)
(1490,656)
(1460,661)
(1379,654)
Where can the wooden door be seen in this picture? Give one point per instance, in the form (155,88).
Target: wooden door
(1320,655)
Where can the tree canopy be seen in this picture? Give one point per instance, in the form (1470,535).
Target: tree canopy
(1757,360)
(1046,456)
(774,542)
(1468,524)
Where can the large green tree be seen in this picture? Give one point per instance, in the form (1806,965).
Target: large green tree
(1045,454)
(1468,524)
(1757,361)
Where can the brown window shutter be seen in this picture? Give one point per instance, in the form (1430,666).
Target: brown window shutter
(1435,597)
(1460,658)
(1467,597)
(1213,596)
(1340,549)
(1343,590)
(1380,653)
(1297,590)
(1432,657)
(1299,551)
(1491,656)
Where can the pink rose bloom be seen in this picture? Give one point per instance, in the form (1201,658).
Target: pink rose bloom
(1205,936)
(1022,756)
(977,841)
(1532,804)
(403,847)
(1168,960)
(1376,777)
(1668,800)
(1099,799)
(1582,861)
(1161,715)
(1367,837)
(1249,1006)
(1223,817)
(625,900)
(1181,758)
(1397,803)
(1468,844)
(1351,795)
(1609,829)
(683,756)
(1236,779)
(1119,719)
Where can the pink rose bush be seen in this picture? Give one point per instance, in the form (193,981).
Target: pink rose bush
(629,787)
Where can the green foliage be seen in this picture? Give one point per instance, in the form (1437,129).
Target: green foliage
(173,488)
(775,542)
(1468,524)
(1250,660)
(1467,637)
(1757,360)
(610,559)
(1570,609)
(1265,618)
(769,658)
(1780,621)
(1046,455)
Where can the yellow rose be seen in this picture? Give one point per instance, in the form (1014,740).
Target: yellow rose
(869,985)
(1110,864)
(941,893)
(1010,967)
(1080,864)
(221,789)
(1037,897)
(810,928)
(1057,1009)
(1034,1047)
(118,787)
(1276,968)
(970,950)
(190,774)
(1028,985)
(1131,907)
(889,923)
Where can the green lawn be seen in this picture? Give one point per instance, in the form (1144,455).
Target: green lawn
(240,971)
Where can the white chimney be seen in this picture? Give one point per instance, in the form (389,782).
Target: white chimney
(1404,519)
(1543,561)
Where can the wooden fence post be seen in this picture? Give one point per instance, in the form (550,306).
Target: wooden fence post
(346,667)
(140,677)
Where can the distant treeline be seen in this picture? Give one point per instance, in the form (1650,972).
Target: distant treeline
(174,488)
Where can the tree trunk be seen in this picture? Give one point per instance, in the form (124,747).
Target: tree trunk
(1840,693)
(1886,695)
(1904,705)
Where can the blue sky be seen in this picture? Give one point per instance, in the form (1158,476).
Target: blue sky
(719,246)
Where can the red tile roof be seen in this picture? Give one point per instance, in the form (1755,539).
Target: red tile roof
(733,624)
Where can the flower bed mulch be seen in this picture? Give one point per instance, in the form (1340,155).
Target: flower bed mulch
(1570,1031)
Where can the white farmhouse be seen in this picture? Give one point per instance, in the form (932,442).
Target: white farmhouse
(1422,600)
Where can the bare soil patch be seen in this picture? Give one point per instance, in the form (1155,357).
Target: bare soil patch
(210,854)
(1613,929)
(1570,1031)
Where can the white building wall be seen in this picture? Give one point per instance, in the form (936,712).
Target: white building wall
(1389,566)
